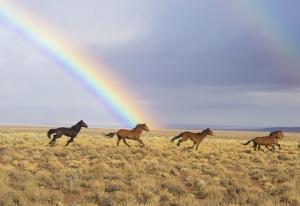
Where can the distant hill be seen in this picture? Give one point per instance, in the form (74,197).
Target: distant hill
(284,129)
(231,128)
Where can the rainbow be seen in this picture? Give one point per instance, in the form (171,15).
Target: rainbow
(92,75)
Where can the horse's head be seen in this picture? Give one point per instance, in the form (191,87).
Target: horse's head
(209,132)
(143,126)
(83,124)
(277,134)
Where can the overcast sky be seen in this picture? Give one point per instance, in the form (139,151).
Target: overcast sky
(191,62)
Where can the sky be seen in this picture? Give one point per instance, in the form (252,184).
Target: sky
(189,63)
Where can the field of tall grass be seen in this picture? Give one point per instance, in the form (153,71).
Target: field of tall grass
(94,171)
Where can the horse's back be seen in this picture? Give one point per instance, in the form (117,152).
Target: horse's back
(266,140)
(60,128)
(123,132)
(187,134)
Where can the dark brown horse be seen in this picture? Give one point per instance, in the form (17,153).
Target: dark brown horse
(267,141)
(72,132)
(133,134)
(197,138)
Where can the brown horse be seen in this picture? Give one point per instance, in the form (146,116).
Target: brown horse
(195,137)
(133,134)
(267,141)
(69,132)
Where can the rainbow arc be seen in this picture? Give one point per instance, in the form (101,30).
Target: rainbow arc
(93,76)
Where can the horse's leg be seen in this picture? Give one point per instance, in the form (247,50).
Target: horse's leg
(269,148)
(278,145)
(197,145)
(177,137)
(273,148)
(70,140)
(118,141)
(141,142)
(182,140)
(254,146)
(52,140)
(192,147)
(56,136)
(124,140)
(260,148)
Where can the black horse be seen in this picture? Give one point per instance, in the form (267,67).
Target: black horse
(69,132)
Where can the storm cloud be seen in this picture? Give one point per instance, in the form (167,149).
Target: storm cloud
(195,62)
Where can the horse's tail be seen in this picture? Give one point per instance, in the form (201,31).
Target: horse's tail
(177,137)
(248,142)
(110,135)
(50,132)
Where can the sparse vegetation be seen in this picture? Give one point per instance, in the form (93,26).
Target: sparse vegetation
(94,171)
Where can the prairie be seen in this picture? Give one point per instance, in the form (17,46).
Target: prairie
(94,171)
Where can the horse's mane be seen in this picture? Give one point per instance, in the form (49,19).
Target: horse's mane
(206,130)
(76,125)
(203,131)
(139,126)
(275,132)
(278,134)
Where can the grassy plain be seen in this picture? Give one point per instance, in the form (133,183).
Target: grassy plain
(93,171)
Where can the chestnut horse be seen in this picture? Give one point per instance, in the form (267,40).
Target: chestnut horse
(195,137)
(69,132)
(133,134)
(267,141)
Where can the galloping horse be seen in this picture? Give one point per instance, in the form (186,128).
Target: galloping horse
(267,141)
(195,137)
(133,134)
(69,132)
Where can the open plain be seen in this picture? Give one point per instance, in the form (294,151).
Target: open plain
(94,171)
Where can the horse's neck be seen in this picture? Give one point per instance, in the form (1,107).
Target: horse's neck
(138,130)
(203,134)
(76,127)
(274,137)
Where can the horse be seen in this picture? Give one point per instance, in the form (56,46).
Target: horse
(71,132)
(267,141)
(133,134)
(279,135)
(197,138)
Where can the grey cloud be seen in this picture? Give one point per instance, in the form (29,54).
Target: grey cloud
(195,62)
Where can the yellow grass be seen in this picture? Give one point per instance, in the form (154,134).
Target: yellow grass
(93,171)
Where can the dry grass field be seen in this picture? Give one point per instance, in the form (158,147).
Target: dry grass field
(93,171)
